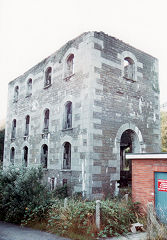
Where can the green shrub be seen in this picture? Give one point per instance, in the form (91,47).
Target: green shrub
(78,217)
(21,189)
(117,217)
(60,192)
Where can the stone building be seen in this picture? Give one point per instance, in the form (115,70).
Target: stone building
(78,111)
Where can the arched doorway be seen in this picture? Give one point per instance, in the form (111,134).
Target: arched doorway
(129,144)
(128,139)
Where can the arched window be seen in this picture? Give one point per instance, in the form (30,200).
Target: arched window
(129,70)
(13,134)
(69,65)
(67,155)
(48,76)
(46,120)
(25,156)
(29,87)
(27,126)
(16,93)
(44,156)
(12,155)
(68,115)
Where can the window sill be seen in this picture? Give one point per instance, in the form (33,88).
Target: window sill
(129,79)
(66,79)
(29,95)
(65,170)
(67,129)
(26,137)
(47,86)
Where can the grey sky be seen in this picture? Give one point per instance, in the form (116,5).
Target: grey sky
(31,30)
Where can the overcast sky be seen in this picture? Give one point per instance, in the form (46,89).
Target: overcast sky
(31,30)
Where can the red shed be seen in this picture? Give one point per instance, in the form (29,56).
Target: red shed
(149,179)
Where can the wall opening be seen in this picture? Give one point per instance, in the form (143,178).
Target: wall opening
(48,76)
(25,156)
(129,143)
(129,70)
(27,125)
(29,87)
(13,134)
(12,155)
(46,121)
(16,94)
(69,65)
(44,156)
(68,115)
(67,156)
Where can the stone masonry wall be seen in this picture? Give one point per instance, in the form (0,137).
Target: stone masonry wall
(121,104)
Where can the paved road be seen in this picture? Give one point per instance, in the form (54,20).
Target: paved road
(138,236)
(13,232)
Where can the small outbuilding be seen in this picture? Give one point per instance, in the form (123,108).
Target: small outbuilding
(149,181)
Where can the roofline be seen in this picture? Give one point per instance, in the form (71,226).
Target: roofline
(140,156)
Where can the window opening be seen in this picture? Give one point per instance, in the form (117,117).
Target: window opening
(52,183)
(25,156)
(64,182)
(46,121)
(44,156)
(29,87)
(67,156)
(127,145)
(12,155)
(27,125)
(48,76)
(128,68)
(70,65)
(16,94)
(68,115)
(13,135)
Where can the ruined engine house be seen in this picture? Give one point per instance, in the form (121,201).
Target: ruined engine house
(78,112)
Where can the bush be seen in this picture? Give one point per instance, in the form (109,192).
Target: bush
(79,218)
(117,217)
(60,192)
(21,189)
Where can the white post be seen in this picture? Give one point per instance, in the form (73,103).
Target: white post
(65,202)
(83,177)
(98,214)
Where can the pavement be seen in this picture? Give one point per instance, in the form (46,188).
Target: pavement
(137,236)
(14,232)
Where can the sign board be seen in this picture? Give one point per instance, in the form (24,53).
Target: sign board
(162,185)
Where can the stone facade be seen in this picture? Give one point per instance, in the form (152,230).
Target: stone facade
(76,109)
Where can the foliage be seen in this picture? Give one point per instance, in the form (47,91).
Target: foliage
(164,131)
(77,219)
(116,217)
(21,190)
(60,192)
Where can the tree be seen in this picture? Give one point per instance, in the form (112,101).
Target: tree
(2,135)
(164,131)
